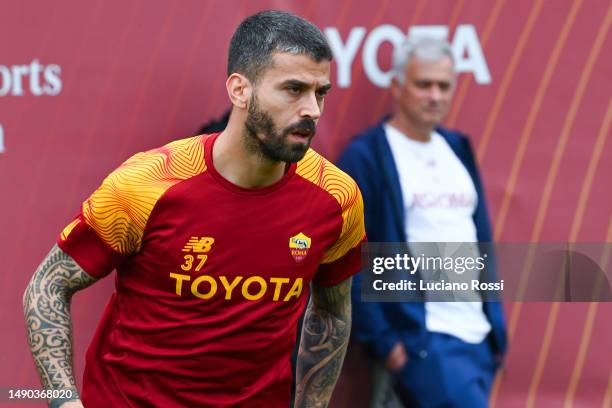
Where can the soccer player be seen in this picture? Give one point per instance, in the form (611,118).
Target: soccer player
(218,241)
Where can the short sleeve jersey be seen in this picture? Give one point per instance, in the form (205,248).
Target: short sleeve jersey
(211,277)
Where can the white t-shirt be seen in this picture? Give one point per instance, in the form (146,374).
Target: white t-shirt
(439,200)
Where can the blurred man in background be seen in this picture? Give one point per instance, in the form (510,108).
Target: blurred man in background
(420,183)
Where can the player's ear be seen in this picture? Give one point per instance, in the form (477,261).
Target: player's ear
(239,90)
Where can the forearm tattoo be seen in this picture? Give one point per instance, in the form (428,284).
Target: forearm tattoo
(325,335)
(46,304)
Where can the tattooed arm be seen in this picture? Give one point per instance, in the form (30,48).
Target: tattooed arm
(325,335)
(46,305)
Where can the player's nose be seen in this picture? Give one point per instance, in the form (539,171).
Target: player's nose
(310,107)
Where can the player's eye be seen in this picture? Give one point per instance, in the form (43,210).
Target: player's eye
(321,94)
(294,90)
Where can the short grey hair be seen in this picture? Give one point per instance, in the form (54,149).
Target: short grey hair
(426,48)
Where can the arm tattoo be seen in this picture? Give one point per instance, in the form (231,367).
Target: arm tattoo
(46,305)
(325,335)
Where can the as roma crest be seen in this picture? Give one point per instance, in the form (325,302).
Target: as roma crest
(299,246)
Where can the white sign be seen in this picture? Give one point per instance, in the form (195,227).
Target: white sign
(1,139)
(35,79)
(465,46)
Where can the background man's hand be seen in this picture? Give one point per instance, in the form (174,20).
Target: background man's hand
(397,358)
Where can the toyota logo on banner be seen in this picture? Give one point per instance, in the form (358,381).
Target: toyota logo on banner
(465,44)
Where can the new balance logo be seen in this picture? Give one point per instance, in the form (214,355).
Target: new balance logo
(199,245)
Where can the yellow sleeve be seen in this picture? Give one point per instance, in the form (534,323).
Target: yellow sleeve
(119,209)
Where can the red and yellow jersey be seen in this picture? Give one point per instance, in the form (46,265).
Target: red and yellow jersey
(211,277)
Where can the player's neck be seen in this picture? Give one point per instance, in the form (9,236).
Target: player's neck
(410,129)
(241,167)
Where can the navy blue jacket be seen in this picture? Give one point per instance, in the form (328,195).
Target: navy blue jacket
(368,159)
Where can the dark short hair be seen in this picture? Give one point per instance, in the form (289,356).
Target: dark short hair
(262,34)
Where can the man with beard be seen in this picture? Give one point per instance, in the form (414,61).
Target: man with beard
(218,241)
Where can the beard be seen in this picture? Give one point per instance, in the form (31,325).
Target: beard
(263,137)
